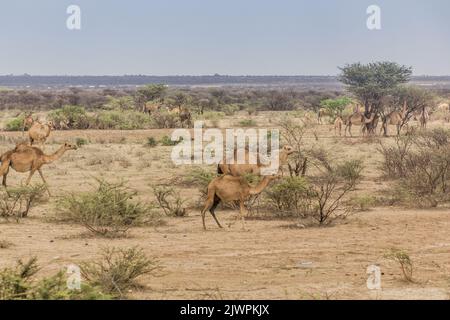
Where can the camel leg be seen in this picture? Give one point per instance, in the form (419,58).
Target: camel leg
(32,171)
(45,182)
(242,214)
(208,205)
(213,208)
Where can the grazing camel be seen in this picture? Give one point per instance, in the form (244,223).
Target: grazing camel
(338,123)
(228,188)
(237,170)
(39,132)
(359,119)
(30,159)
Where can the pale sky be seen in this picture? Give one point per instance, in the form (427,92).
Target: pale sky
(234,37)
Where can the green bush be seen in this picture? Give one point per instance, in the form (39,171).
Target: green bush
(118,270)
(108,211)
(74,116)
(151,142)
(167,142)
(15,124)
(290,197)
(19,283)
(81,142)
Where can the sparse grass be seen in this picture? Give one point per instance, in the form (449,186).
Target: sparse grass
(4,244)
(363,202)
(81,142)
(118,270)
(247,123)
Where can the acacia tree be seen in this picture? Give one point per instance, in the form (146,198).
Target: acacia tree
(149,92)
(335,107)
(372,83)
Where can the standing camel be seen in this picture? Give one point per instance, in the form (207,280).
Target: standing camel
(396,118)
(185,117)
(39,132)
(338,123)
(228,188)
(27,122)
(358,119)
(423,119)
(30,159)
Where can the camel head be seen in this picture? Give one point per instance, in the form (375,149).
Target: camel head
(51,125)
(68,146)
(288,149)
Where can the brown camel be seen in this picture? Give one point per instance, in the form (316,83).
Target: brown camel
(395,118)
(359,119)
(27,122)
(29,159)
(185,117)
(238,170)
(423,119)
(321,114)
(151,107)
(228,188)
(338,123)
(39,132)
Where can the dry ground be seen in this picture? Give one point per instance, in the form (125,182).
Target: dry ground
(271,261)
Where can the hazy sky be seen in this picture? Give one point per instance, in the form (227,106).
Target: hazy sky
(236,37)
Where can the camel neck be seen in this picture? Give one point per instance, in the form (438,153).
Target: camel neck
(53,157)
(261,186)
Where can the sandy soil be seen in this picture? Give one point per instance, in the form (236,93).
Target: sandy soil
(273,260)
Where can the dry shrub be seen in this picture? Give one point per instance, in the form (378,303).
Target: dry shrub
(165,120)
(292,133)
(118,270)
(420,165)
(108,211)
(170,201)
(403,259)
(322,199)
(16,203)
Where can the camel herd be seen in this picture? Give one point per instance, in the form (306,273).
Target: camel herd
(369,124)
(229,185)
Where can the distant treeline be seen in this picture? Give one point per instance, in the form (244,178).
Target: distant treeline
(136,80)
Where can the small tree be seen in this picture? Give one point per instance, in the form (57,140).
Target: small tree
(335,107)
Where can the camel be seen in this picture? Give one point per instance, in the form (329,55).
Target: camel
(338,123)
(185,117)
(321,114)
(27,122)
(396,118)
(151,107)
(228,188)
(357,118)
(238,170)
(39,132)
(26,158)
(423,119)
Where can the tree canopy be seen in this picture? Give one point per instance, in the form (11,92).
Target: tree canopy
(370,83)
